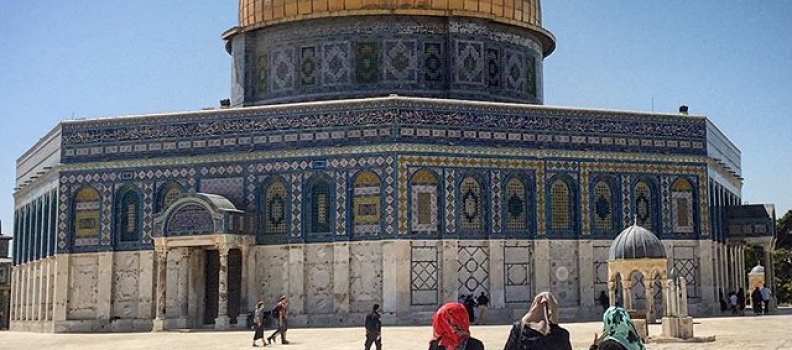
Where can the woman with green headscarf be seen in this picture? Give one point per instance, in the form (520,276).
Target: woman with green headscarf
(618,332)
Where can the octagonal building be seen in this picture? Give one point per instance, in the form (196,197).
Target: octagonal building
(391,152)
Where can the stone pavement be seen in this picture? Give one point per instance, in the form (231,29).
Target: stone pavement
(744,333)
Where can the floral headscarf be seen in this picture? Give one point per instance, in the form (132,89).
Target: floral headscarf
(451,325)
(543,312)
(618,327)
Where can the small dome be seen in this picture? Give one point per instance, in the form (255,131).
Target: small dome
(758,269)
(636,242)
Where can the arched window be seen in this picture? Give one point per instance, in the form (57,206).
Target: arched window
(86,217)
(129,209)
(644,205)
(682,204)
(562,215)
(516,207)
(603,207)
(423,202)
(366,203)
(320,205)
(275,208)
(168,194)
(470,208)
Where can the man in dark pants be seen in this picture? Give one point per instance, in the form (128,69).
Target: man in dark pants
(280,313)
(374,328)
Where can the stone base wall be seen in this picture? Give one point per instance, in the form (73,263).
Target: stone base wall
(335,284)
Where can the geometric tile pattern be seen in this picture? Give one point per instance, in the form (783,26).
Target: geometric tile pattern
(366,213)
(471,207)
(626,195)
(530,75)
(308,66)
(584,199)
(682,204)
(516,206)
(231,188)
(366,62)
(63,210)
(296,193)
(148,209)
(493,68)
(424,277)
(686,265)
(603,206)
(470,58)
(107,212)
(638,291)
(645,199)
(434,62)
(518,274)
(473,272)
(514,72)
(283,70)
(336,69)
(665,203)
(341,208)
(495,185)
(424,206)
(401,62)
(450,201)
(390,196)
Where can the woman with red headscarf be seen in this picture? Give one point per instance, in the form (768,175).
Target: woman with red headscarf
(451,326)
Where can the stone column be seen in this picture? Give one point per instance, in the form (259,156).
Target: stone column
(181,289)
(222,321)
(162,268)
(104,298)
(449,271)
(60,293)
(542,265)
(586,278)
(396,276)
(612,292)
(627,292)
(296,279)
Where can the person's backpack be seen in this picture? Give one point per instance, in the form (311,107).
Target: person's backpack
(275,312)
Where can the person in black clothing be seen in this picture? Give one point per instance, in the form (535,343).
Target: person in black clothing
(603,300)
(374,328)
(470,306)
(539,329)
(258,324)
(483,305)
(756,300)
(451,329)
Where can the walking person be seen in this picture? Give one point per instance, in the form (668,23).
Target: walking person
(483,305)
(733,302)
(603,300)
(280,314)
(539,329)
(756,300)
(766,294)
(374,328)
(451,329)
(258,324)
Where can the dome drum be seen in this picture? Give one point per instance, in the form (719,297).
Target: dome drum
(336,58)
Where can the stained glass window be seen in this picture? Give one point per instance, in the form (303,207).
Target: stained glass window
(603,206)
(320,207)
(516,205)
(128,215)
(470,207)
(86,216)
(560,219)
(275,205)
(682,206)
(366,203)
(643,205)
(423,206)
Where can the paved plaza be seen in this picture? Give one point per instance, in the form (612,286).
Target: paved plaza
(748,332)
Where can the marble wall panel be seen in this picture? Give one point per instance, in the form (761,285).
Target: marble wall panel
(365,275)
(319,278)
(564,272)
(83,288)
(126,289)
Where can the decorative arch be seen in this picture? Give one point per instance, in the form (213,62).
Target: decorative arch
(562,212)
(168,194)
(517,206)
(128,214)
(682,204)
(471,211)
(86,208)
(645,202)
(319,206)
(366,203)
(424,203)
(275,207)
(603,206)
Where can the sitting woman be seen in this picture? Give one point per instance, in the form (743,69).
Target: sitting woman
(618,332)
(539,328)
(451,326)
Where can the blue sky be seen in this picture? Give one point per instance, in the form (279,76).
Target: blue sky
(728,60)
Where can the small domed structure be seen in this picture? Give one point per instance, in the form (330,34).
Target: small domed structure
(636,242)
(758,269)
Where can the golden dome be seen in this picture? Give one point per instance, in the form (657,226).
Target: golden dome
(255,14)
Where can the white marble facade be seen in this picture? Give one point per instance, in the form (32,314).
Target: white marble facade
(335,284)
